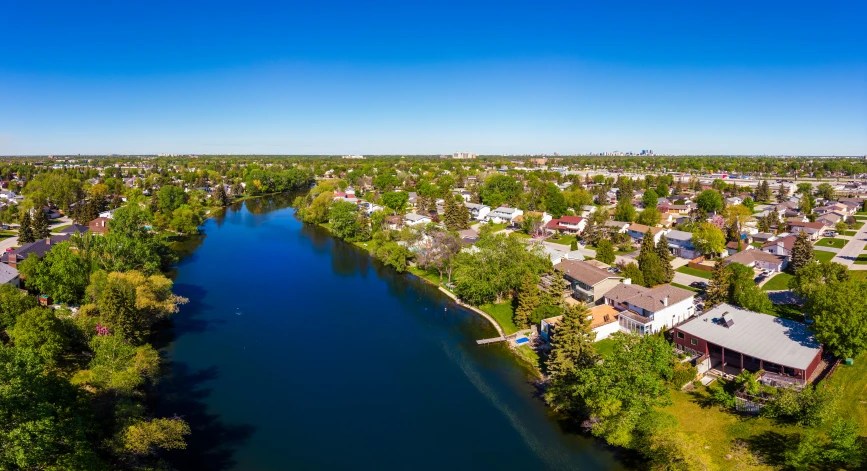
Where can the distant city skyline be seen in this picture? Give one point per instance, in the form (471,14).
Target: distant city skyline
(346,78)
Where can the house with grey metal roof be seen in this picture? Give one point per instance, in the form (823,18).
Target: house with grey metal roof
(8,275)
(736,339)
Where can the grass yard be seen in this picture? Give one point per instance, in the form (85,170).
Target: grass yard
(778,282)
(502,313)
(823,256)
(850,233)
(852,382)
(495,227)
(860,217)
(520,235)
(564,240)
(858,275)
(833,243)
(858,225)
(686,287)
(861,260)
(692,271)
(757,245)
(530,356)
(60,228)
(604,347)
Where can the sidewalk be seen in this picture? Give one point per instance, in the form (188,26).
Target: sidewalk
(850,252)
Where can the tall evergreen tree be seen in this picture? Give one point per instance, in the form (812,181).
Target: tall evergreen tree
(553,295)
(528,300)
(763,192)
(463,215)
(450,214)
(720,284)
(25,231)
(39,225)
(591,235)
(665,259)
(802,252)
(782,194)
(605,251)
(220,197)
(571,351)
(649,263)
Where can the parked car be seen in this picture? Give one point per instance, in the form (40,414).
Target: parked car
(698,284)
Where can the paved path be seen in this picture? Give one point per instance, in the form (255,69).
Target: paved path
(827,249)
(852,250)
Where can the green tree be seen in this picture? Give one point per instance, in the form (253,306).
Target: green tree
(317,211)
(624,211)
(709,201)
(632,272)
(572,350)
(13,303)
(25,231)
(455,214)
(40,330)
(763,192)
(118,365)
(186,220)
(500,189)
(812,276)
(649,216)
(826,191)
(343,217)
(46,422)
(709,239)
(148,436)
(802,252)
(744,292)
(220,197)
(63,274)
(555,203)
(665,258)
(839,309)
(170,198)
(720,285)
(39,225)
(650,199)
(605,251)
(396,201)
(782,193)
(528,300)
(844,448)
(648,262)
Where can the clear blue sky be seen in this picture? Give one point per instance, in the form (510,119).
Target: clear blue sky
(412,76)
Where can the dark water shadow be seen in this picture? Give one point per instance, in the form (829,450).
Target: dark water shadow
(188,320)
(212,443)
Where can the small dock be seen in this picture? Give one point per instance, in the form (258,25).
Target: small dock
(491,340)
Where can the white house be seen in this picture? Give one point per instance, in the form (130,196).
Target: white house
(504,214)
(759,259)
(649,310)
(478,211)
(412,219)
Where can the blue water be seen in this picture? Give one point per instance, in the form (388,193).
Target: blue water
(298,351)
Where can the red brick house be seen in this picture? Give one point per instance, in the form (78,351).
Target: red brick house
(98,225)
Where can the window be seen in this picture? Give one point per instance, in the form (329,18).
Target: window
(680,335)
(693,342)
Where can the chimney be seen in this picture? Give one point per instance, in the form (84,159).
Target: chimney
(627,281)
(48,241)
(665,301)
(12,260)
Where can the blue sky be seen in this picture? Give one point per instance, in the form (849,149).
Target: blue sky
(412,77)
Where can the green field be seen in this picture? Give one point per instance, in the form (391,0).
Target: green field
(502,313)
(852,383)
(778,282)
(604,347)
(431,276)
(823,256)
(564,240)
(833,243)
(692,271)
(494,227)
(861,260)
(850,233)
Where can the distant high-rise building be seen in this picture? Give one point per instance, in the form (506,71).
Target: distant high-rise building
(354,157)
(463,155)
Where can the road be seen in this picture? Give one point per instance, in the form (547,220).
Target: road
(852,250)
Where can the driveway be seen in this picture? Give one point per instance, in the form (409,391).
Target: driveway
(684,279)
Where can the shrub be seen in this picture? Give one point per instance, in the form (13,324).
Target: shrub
(683,373)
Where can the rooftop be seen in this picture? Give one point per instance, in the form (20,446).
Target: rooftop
(650,299)
(774,339)
(583,272)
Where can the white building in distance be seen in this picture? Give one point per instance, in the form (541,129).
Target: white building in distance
(463,155)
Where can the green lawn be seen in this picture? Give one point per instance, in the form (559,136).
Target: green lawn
(858,225)
(861,217)
(431,276)
(686,287)
(861,260)
(564,240)
(520,235)
(496,227)
(757,245)
(833,243)
(530,356)
(60,228)
(858,275)
(778,282)
(823,256)
(502,313)
(604,347)
(692,271)
(850,233)
(788,311)
(852,384)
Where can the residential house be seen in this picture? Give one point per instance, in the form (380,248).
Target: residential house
(759,259)
(764,237)
(412,219)
(637,232)
(603,321)
(813,229)
(38,248)
(107,214)
(649,310)
(587,282)
(9,275)
(478,211)
(617,226)
(98,225)
(567,225)
(736,339)
(782,246)
(831,219)
(587,210)
(504,214)
(469,236)
(734,200)
(680,244)
(557,252)
(732,247)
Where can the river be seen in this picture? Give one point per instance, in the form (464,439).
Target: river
(299,351)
